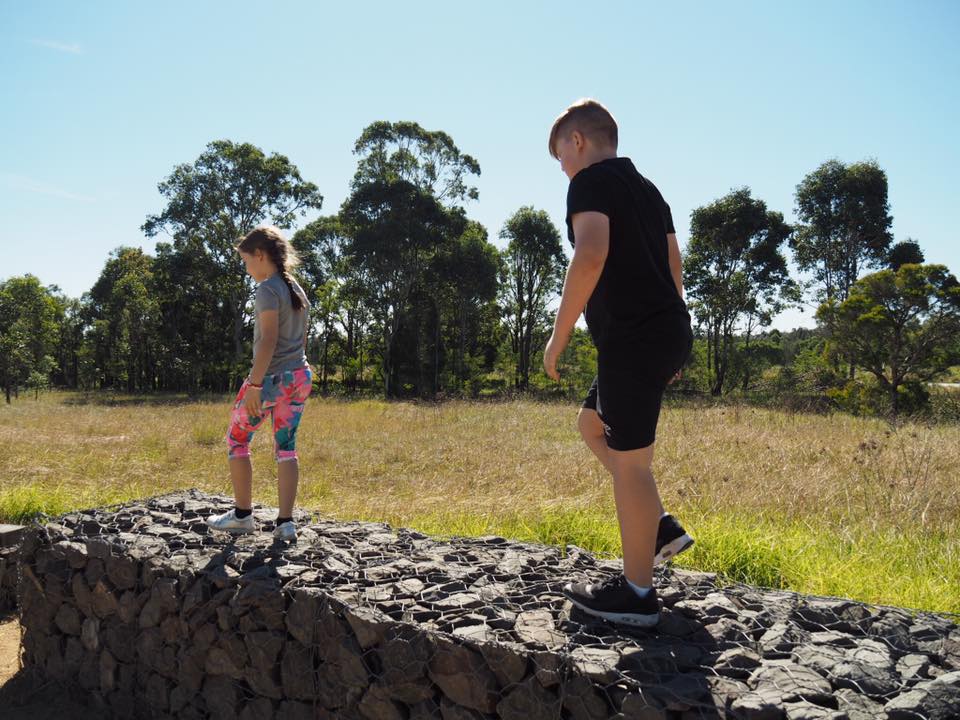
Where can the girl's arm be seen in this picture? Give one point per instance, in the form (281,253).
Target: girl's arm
(263,352)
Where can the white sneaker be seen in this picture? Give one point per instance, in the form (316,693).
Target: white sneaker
(286,531)
(229,522)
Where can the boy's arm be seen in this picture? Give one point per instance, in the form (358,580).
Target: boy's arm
(676,264)
(591,232)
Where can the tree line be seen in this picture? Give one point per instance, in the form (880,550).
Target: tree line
(410,298)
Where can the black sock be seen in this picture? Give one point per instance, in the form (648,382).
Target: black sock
(281,521)
(241,514)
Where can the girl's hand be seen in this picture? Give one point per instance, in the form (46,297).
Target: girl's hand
(251,402)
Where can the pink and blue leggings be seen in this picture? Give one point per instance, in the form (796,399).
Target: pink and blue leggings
(283,397)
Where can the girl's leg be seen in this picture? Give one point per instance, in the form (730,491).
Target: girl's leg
(294,391)
(241,473)
(239,435)
(591,430)
(288,477)
(637,499)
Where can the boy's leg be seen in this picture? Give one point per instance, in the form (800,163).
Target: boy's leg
(638,513)
(591,430)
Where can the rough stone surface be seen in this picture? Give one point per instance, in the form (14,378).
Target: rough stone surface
(152,615)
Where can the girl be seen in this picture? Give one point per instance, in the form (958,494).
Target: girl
(278,385)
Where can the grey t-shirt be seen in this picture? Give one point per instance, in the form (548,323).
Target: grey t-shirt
(273,294)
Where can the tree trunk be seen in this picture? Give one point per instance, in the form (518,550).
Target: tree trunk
(238,335)
(323,362)
(436,354)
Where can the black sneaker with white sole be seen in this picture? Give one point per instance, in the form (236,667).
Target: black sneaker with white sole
(614,600)
(672,540)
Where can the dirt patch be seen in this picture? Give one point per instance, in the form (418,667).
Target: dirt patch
(9,648)
(25,697)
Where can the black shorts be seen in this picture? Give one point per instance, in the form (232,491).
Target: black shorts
(632,374)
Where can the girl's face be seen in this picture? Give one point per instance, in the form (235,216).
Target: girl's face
(258,265)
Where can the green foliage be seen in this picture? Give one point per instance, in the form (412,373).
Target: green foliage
(211,203)
(844,224)
(904,253)
(409,297)
(535,264)
(735,275)
(30,316)
(899,326)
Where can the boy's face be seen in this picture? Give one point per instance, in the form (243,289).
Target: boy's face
(570,152)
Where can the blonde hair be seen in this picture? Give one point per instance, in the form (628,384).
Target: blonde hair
(590,118)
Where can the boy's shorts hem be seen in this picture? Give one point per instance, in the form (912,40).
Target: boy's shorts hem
(633,425)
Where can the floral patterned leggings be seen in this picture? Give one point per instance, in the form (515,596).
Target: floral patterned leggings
(283,397)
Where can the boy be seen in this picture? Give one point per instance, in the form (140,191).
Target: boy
(626,271)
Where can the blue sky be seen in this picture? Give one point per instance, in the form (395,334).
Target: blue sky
(100,101)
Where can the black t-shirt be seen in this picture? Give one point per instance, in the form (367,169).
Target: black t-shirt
(636,283)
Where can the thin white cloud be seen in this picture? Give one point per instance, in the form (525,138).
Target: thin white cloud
(72,48)
(25,184)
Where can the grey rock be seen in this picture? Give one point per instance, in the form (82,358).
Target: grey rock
(866,670)
(463,677)
(257,709)
(737,662)
(858,706)
(914,667)
(528,701)
(803,710)
(792,682)
(937,699)
(757,706)
(538,627)
(67,620)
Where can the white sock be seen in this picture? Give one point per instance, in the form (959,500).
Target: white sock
(665,513)
(640,591)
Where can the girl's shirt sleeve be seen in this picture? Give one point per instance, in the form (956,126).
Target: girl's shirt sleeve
(265,299)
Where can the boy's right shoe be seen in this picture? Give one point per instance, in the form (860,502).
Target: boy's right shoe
(672,540)
(229,522)
(614,600)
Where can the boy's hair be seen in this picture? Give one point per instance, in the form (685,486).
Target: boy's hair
(589,117)
(269,239)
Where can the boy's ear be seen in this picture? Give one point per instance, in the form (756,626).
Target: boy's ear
(578,139)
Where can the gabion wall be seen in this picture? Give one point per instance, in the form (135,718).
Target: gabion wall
(155,616)
(8,579)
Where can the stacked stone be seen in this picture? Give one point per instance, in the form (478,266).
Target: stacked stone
(154,616)
(8,579)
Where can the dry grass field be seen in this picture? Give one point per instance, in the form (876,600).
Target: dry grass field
(832,505)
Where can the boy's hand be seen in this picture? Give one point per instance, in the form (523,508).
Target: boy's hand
(251,402)
(676,377)
(551,354)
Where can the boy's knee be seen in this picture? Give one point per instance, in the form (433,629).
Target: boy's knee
(588,423)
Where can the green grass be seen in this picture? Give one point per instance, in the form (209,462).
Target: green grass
(828,505)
